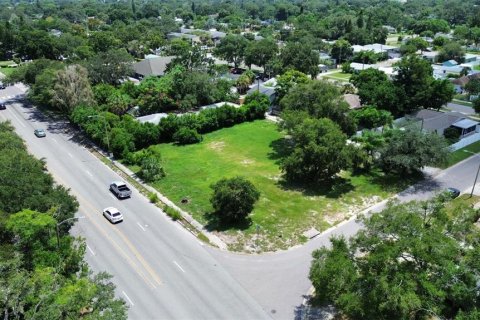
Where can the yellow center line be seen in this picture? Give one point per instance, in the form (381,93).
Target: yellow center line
(135,252)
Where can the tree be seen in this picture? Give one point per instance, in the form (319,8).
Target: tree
(440,92)
(109,67)
(408,151)
(473,86)
(192,58)
(451,51)
(370,117)
(319,151)
(287,81)
(260,52)
(405,264)
(233,199)
(341,51)
(316,99)
(414,77)
(476,105)
(232,48)
(301,57)
(72,89)
(186,136)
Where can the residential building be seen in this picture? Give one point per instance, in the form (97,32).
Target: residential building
(152,67)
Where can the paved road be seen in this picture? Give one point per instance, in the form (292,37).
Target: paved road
(279,280)
(466,110)
(161,270)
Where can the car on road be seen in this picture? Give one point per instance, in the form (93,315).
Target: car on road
(2,86)
(3,106)
(453,192)
(120,189)
(40,133)
(112,214)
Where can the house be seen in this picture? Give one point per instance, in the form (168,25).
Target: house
(462,81)
(442,72)
(435,121)
(450,63)
(178,35)
(152,67)
(391,51)
(154,118)
(430,55)
(268,91)
(353,100)
(220,104)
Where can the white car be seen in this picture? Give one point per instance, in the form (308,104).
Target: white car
(112,214)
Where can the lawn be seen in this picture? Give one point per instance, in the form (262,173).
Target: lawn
(463,153)
(6,71)
(339,76)
(477,67)
(283,212)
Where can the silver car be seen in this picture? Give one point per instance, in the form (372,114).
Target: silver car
(112,214)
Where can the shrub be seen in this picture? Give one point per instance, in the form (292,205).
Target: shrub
(233,199)
(172,213)
(452,135)
(151,169)
(476,105)
(187,136)
(153,197)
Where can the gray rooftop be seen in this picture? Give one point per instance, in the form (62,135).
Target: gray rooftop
(465,123)
(152,67)
(152,118)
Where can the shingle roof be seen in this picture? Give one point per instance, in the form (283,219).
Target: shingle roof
(465,123)
(152,67)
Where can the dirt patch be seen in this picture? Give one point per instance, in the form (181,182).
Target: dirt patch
(246,162)
(216,145)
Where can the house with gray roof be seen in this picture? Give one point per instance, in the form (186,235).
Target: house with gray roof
(435,121)
(152,67)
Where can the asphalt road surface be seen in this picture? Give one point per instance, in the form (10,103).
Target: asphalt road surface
(161,270)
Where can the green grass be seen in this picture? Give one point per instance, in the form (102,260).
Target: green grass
(7,71)
(462,154)
(339,76)
(6,63)
(476,67)
(284,211)
(462,102)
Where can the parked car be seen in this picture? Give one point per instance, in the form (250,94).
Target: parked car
(120,189)
(2,86)
(112,214)
(454,192)
(40,133)
(3,106)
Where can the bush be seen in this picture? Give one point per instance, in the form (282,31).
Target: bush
(452,135)
(476,105)
(172,213)
(187,136)
(233,199)
(153,197)
(151,169)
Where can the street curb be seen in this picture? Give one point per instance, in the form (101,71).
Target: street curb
(213,239)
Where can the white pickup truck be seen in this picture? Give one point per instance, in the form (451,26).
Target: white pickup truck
(120,189)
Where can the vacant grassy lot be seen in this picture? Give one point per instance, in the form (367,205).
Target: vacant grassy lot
(283,212)
(463,153)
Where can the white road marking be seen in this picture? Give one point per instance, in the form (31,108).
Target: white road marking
(179,266)
(88,172)
(111,195)
(70,154)
(141,226)
(91,251)
(54,140)
(128,298)
(21,122)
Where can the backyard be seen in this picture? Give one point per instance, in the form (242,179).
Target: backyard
(284,211)
(338,76)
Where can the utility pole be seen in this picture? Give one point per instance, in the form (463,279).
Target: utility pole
(475,182)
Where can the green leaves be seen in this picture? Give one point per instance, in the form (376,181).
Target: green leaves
(405,263)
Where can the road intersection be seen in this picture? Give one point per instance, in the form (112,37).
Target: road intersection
(161,270)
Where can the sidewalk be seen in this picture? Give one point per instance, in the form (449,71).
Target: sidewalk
(187,217)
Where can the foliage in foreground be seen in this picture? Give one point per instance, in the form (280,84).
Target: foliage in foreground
(411,261)
(40,278)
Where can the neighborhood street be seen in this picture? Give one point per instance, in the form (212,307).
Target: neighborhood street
(161,270)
